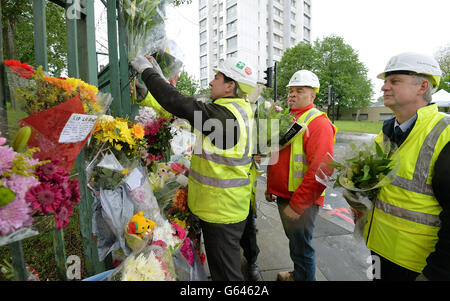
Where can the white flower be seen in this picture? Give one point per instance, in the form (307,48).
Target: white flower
(165,232)
(143,268)
(146,115)
(106,119)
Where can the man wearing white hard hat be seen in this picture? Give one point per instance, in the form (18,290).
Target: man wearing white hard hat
(219,184)
(409,225)
(291,180)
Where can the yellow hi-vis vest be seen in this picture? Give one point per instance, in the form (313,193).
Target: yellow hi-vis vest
(219,180)
(404,222)
(297,163)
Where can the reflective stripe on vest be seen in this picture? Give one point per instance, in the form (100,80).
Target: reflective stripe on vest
(414,216)
(220,183)
(419,182)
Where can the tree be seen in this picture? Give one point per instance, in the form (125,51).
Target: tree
(336,64)
(302,56)
(187,84)
(18,39)
(443,58)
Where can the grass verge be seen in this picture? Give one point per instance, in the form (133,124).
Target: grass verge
(358,126)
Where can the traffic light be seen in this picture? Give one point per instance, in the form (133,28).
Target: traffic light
(268,77)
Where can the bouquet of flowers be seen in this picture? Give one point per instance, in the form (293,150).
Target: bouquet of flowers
(275,126)
(56,193)
(17,176)
(361,172)
(116,148)
(62,111)
(144,20)
(29,188)
(158,133)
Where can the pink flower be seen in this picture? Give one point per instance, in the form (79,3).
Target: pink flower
(62,217)
(278,108)
(7,155)
(15,216)
(20,184)
(179,231)
(177,168)
(186,250)
(152,128)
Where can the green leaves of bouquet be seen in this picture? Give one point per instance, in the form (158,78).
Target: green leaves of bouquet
(273,122)
(369,167)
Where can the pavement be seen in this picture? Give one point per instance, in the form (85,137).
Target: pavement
(339,256)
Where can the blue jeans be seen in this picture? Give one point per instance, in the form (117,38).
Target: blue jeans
(300,233)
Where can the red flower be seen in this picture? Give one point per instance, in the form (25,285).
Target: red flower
(44,197)
(24,70)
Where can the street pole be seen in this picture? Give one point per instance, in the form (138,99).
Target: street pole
(333,96)
(275,83)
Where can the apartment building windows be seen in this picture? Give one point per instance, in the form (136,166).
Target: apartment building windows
(203,61)
(306,34)
(203,48)
(307,8)
(232,27)
(232,12)
(251,30)
(277,12)
(232,54)
(278,38)
(231,43)
(203,36)
(307,21)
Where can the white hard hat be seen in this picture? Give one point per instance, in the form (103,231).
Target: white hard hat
(305,78)
(414,62)
(239,71)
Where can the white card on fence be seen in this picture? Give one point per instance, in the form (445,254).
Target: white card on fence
(77,128)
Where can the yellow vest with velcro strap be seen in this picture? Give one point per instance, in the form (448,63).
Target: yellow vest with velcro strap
(297,164)
(219,180)
(404,222)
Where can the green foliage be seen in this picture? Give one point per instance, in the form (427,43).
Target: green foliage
(19,39)
(367,169)
(187,85)
(336,64)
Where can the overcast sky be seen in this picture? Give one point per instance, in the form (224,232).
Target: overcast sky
(376,29)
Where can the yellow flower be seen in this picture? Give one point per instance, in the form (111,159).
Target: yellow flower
(118,147)
(126,171)
(138,131)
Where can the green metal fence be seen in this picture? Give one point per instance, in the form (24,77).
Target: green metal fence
(81,63)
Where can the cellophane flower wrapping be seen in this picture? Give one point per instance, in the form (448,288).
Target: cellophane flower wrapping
(361,169)
(144,20)
(151,263)
(273,124)
(116,148)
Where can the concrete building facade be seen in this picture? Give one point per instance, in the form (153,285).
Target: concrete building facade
(258,31)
